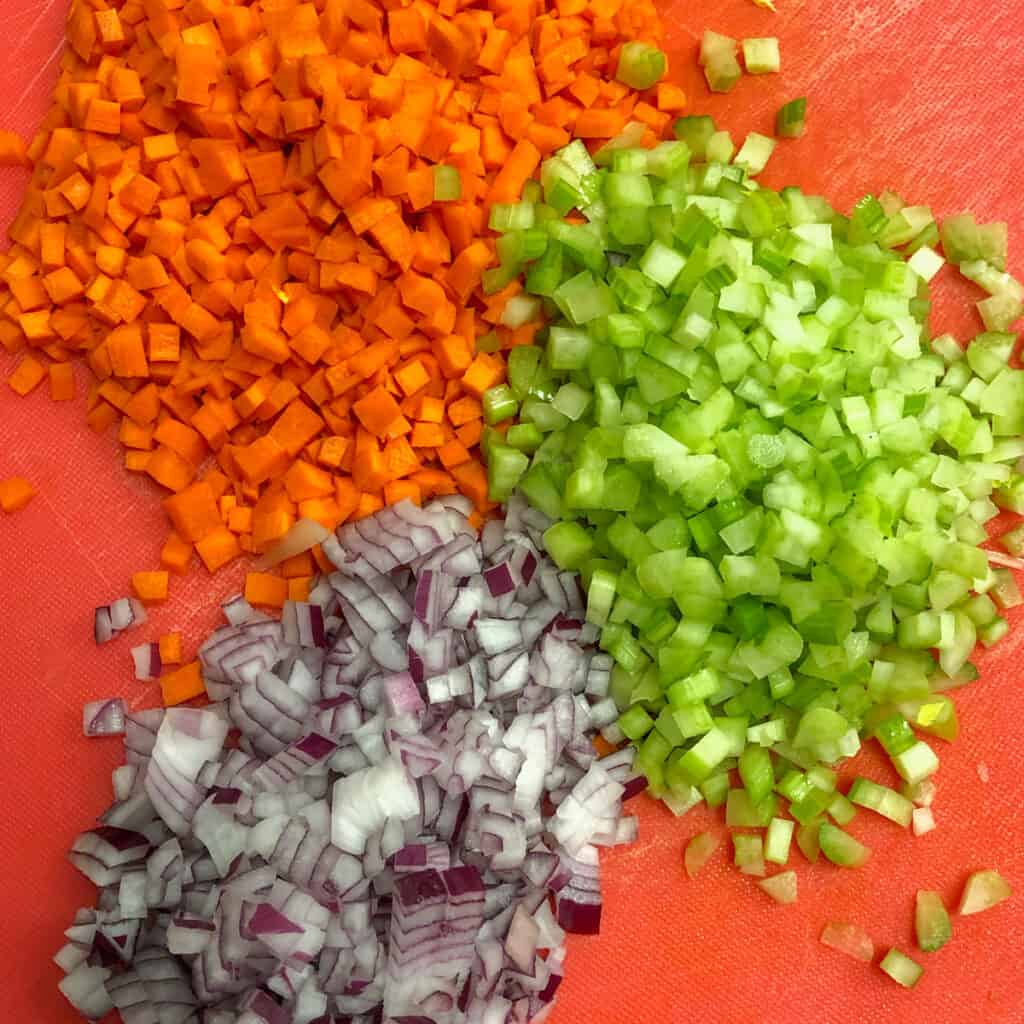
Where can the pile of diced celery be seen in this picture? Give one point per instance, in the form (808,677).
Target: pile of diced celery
(772,480)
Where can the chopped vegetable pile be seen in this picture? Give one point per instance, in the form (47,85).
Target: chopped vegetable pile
(772,482)
(301,250)
(263,228)
(413,783)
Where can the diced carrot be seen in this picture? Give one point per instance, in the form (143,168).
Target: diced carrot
(26,376)
(176,554)
(218,548)
(62,382)
(377,411)
(170,649)
(182,684)
(299,588)
(265,591)
(15,493)
(150,587)
(169,469)
(193,511)
(231,221)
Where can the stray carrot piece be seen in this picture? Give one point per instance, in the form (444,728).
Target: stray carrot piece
(176,554)
(150,586)
(299,588)
(13,152)
(670,98)
(27,376)
(62,382)
(170,649)
(182,685)
(218,548)
(265,591)
(15,493)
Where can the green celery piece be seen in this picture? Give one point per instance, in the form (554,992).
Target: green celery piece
(931,921)
(640,65)
(884,801)
(901,968)
(840,847)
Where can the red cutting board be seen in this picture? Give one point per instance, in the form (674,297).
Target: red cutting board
(921,96)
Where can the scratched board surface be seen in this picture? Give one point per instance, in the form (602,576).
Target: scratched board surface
(922,96)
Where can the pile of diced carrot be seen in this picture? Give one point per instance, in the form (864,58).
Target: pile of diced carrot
(232,220)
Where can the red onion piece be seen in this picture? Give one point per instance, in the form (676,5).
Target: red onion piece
(104,717)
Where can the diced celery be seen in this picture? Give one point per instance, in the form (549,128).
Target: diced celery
(931,921)
(791,119)
(761,56)
(718,58)
(901,968)
(640,65)
(782,887)
(984,889)
(840,847)
(882,800)
(699,851)
(778,839)
(748,853)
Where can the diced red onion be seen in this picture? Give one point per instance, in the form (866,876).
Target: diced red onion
(148,663)
(413,782)
(116,617)
(104,717)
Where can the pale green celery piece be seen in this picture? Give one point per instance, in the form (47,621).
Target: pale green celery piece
(748,853)
(983,890)
(720,148)
(755,153)
(882,800)
(761,55)
(840,847)
(901,968)
(778,839)
(931,921)
(781,887)
(718,58)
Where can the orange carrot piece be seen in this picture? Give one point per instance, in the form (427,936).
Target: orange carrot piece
(15,493)
(170,649)
(263,590)
(176,554)
(193,511)
(26,376)
(150,587)
(62,382)
(218,548)
(183,684)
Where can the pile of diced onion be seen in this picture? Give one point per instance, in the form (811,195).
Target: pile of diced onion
(392,807)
